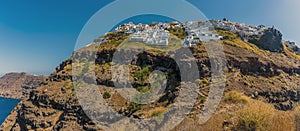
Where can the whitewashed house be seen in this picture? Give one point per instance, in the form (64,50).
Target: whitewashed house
(138,37)
(151,36)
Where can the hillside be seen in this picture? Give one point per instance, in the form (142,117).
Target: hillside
(261,91)
(17,85)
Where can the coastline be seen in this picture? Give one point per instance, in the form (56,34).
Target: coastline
(10,106)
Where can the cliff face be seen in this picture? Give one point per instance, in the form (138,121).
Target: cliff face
(271,40)
(268,77)
(17,85)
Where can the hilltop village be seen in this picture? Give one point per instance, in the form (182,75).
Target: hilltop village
(149,34)
(196,32)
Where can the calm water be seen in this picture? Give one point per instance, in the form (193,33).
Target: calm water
(6,106)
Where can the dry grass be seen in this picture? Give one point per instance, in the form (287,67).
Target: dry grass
(235,41)
(235,97)
(258,115)
(153,112)
(283,121)
(158,111)
(255,116)
(215,123)
(68,68)
(296,113)
(290,53)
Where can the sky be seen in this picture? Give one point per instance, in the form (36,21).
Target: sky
(36,35)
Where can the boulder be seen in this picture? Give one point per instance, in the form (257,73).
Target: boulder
(271,40)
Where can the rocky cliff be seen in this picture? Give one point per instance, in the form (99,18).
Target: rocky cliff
(271,40)
(255,78)
(17,85)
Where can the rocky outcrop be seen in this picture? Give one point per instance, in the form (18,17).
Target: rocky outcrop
(283,100)
(49,110)
(271,40)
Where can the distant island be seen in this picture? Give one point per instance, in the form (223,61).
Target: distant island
(18,85)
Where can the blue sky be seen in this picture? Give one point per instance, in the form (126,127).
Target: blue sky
(36,35)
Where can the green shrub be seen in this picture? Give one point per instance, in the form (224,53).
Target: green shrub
(178,32)
(106,95)
(133,107)
(143,74)
(142,89)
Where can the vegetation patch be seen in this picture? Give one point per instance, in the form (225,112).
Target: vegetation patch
(106,95)
(202,82)
(178,32)
(258,115)
(143,74)
(290,53)
(255,116)
(236,97)
(133,107)
(233,39)
(158,112)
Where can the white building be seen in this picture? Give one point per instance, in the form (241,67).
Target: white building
(138,37)
(151,36)
(290,44)
(199,31)
(243,30)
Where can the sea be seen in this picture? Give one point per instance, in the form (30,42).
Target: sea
(6,106)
